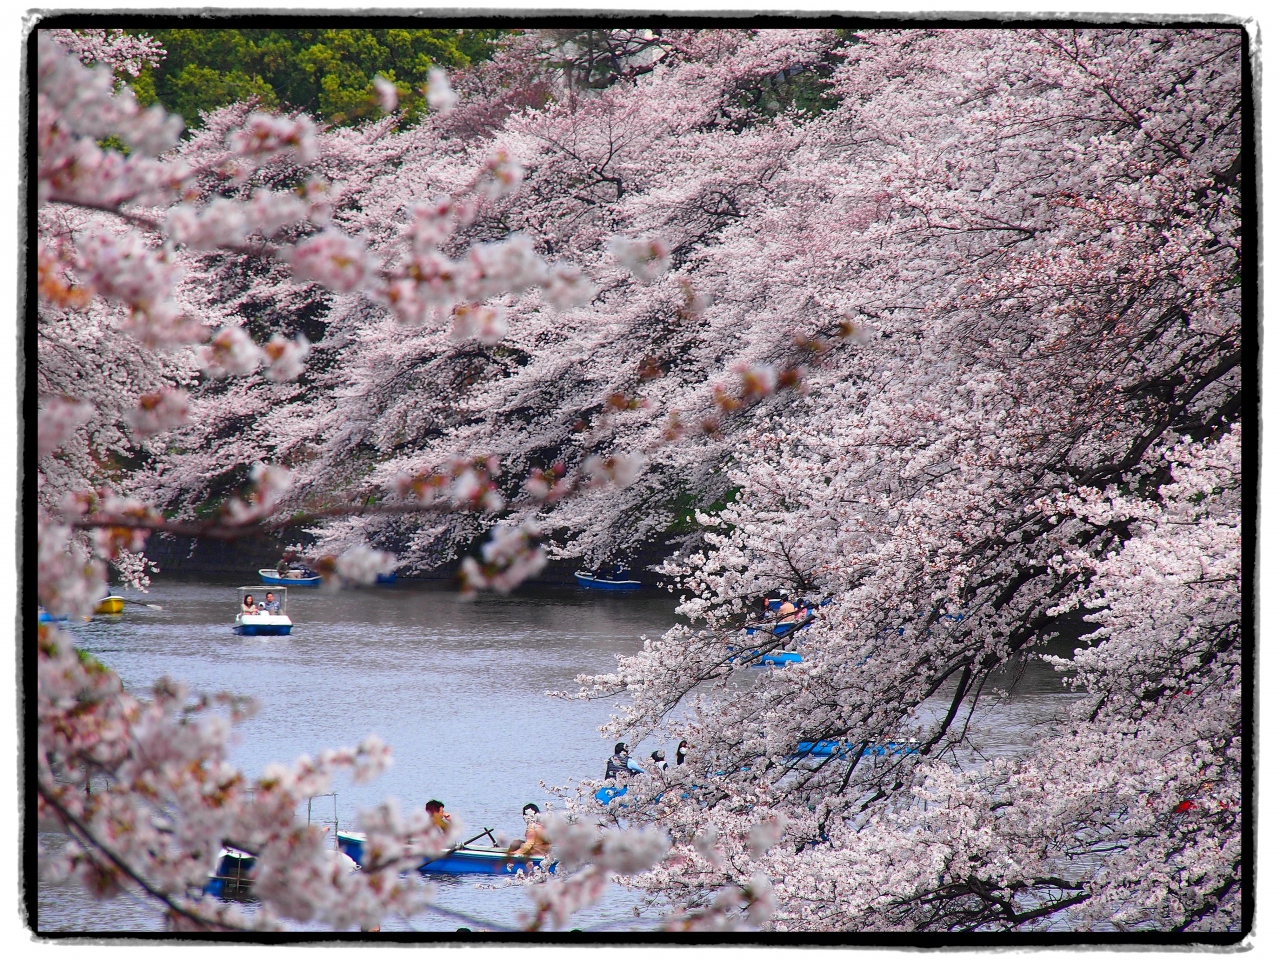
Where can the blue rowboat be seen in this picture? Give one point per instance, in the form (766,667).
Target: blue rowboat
(294,578)
(463,859)
(47,617)
(842,748)
(754,658)
(592,582)
(780,659)
(782,629)
(386,579)
(608,794)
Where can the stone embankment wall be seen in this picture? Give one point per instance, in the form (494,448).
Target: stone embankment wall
(238,561)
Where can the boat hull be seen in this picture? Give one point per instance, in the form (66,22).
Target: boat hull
(842,749)
(263,625)
(263,630)
(464,861)
(594,583)
(607,795)
(780,659)
(272,579)
(109,606)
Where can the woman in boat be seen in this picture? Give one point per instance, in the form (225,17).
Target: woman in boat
(535,842)
(248,608)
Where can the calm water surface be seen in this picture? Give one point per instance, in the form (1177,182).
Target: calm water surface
(459,691)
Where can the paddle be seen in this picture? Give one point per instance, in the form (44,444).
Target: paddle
(488,830)
(149,606)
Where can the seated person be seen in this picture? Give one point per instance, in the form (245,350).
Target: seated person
(786,610)
(535,842)
(272,605)
(248,607)
(618,766)
(435,810)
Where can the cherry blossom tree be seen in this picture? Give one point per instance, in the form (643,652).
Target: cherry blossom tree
(142,788)
(1050,290)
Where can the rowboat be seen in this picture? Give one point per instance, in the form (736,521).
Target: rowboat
(262,623)
(592,582)
(231,874)
(606,795)
(47,617)
(842,748)
(110,605)
(782,629)
(462,859)
(293,578)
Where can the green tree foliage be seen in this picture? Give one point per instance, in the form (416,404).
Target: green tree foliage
(327,73)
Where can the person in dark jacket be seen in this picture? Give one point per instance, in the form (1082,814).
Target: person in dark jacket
(681,752)
(620,765)
(616,768)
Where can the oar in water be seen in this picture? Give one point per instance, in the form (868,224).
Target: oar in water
(149,606)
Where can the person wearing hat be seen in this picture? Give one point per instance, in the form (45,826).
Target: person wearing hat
(535,842)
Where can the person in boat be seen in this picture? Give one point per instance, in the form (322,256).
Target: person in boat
(659,759)
(271,605)
(248,608)
(535,842)
(786,609)
(682,751)
(435,810)
(620,766)
(616,766)
(282,568)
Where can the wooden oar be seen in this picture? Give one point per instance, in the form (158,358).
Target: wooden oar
(488,830)
(149,606)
